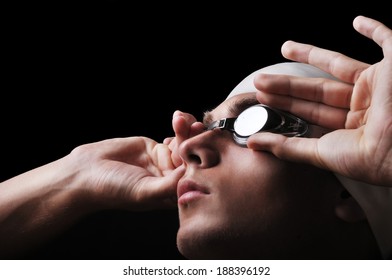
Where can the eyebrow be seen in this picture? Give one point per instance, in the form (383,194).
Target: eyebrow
(233,109)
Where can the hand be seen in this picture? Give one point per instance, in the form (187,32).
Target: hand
(358,108)
(185,126)
(134,173)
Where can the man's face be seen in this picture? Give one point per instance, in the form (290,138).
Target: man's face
(238,203)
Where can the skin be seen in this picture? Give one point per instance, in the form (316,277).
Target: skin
(258,206)
(358,108)
(134,173)
(233,202)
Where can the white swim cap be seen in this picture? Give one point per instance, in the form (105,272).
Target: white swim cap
(376,201)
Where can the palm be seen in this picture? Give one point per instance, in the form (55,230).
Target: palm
(132,173)
(357,107)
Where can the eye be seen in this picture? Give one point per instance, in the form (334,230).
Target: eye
(251,121)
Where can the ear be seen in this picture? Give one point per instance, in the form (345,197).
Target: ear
(348,209)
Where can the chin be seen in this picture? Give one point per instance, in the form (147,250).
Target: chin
(196,251)
(213,244)
(190,244)
(199,244)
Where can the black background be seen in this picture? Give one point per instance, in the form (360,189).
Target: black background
(78,73)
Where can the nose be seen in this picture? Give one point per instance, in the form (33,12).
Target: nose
(202,150)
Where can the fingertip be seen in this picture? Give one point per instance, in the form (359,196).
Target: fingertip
(356,21)
(263,141)
(286,48)
(177,162)
(177,113)
(288,42)
(178,122)
(179,170)
(197,128)
(167,140)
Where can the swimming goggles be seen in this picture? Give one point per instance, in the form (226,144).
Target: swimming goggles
(261,118)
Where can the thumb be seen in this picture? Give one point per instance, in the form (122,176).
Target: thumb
(169,187)
(297,149)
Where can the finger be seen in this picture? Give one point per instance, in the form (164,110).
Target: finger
(196,129)
(314,113)
(381,100)
(175,155)
(184,126)
(158,192)
(374,30)
(167,140)
(287,148)
(319,90)
(163,158)
(125,149)
(181,124)
(168,197)
(338,65)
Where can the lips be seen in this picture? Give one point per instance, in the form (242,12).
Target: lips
(188,191)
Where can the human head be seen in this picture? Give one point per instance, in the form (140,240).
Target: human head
(376,201)
(244,204)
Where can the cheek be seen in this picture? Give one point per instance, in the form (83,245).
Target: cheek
(256,188)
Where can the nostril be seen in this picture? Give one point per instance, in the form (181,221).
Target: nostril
(194,158)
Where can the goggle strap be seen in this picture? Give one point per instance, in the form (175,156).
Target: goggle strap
(226,123)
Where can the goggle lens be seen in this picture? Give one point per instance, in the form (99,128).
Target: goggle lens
(259,118)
